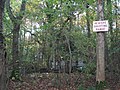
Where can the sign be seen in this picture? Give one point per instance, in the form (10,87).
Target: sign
(100,26)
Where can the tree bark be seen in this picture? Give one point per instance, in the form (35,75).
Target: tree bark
(2,50)
(100,75)
(15,43)
(88,20)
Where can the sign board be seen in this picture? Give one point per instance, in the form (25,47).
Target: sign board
(100,26)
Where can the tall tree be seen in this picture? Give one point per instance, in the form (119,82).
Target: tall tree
(2,50)
(100,76)
(16,20)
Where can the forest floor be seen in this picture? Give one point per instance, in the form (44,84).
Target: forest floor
(60,81)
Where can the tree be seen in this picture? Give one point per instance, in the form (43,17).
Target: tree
(100,75)
(16,20)
(2,50)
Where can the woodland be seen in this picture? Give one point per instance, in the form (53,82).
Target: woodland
(51,45)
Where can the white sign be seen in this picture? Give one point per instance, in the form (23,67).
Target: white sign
(100,26)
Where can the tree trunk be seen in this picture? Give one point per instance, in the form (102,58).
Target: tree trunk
(100,75)
(70,53)
(15,43)
(88,20)
(2,50)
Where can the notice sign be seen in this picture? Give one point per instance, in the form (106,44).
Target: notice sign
(100,26)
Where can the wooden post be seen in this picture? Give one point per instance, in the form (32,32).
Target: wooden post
(100,75)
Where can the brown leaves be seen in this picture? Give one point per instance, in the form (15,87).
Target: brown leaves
(56,81)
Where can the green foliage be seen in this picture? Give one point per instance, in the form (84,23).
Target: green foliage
(15,75)
(82,44)
(101,85)
(80,88)
(90,69)
(50,37)
(89,88)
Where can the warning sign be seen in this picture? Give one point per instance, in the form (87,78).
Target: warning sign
(100,26)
